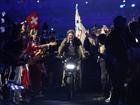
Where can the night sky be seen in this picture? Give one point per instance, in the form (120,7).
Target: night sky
(60,14)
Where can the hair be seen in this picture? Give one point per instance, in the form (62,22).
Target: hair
(119,22)
(71,31)
(102,38)
(133,26)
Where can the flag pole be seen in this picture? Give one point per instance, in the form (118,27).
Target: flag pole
(76,7)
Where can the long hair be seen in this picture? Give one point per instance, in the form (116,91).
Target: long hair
(70,31)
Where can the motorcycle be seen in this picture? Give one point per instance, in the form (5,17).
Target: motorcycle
(71,77)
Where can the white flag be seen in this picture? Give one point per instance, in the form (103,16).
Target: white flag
(79,28)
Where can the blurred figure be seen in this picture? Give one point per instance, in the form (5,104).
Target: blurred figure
(117,45)
(52,62)
(35,63)
(139,19)
(104,30)
(134,84)
(105,82)
(15,47)
(45,33)
(134,28)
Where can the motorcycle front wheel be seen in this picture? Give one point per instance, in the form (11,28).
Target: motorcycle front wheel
(70,85)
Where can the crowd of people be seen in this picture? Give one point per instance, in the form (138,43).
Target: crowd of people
(28,59)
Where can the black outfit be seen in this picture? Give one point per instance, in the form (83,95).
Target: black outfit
(118,43)
(72,48)
(52,69)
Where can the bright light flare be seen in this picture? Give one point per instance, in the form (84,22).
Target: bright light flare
(133,5)
(70,66)
(37,1)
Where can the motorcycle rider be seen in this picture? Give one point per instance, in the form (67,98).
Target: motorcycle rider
(72,47)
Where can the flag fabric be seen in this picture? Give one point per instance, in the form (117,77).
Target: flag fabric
(79,28)
(25,76)
(32,20)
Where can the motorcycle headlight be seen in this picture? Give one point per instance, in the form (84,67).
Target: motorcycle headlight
(70,66)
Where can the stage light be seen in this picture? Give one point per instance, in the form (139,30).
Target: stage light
(52,29)
(3,13)
(137,41)
(2,20)
(2,29)
(133,5)
(37,1)
(86,2)
(124,1)
(122,5)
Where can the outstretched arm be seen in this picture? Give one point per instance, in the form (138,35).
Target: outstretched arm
(48,44)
